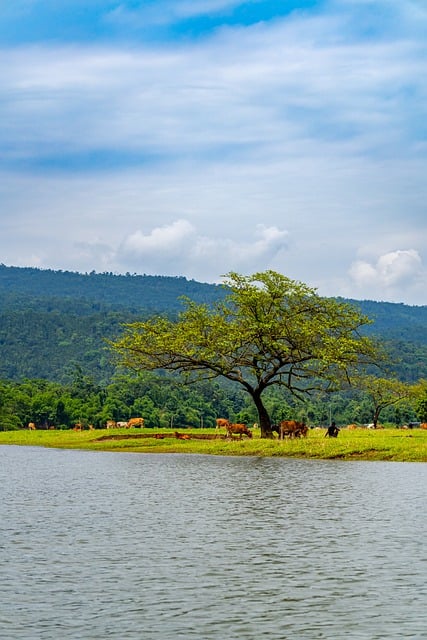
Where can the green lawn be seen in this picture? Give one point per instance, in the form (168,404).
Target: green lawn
(360,444)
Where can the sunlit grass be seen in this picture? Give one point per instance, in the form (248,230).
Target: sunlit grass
(360,444)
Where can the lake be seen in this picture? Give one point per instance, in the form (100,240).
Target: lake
(97,545)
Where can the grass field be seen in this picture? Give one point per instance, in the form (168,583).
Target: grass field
(360,444)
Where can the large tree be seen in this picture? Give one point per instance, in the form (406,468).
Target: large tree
(268,330)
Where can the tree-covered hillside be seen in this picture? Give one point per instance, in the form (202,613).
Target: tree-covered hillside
(53,321)
(20,285)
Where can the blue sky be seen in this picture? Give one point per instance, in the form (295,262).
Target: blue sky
(195,137)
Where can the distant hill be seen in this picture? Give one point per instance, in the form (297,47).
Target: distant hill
(20,285)
(52,321)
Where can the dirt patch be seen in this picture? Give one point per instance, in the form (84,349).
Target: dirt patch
(161,436)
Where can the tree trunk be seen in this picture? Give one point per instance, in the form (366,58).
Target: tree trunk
(376,417)
(263,417)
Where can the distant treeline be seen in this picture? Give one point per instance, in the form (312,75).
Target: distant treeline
(164,401)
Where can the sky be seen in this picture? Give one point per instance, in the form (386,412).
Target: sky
(198,137)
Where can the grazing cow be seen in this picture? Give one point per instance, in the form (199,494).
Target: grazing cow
(423,425)
(290,428)
(78,426)
(135,422)
(111,424)
(31,426)
(221,422)
(238,429)
(122,425)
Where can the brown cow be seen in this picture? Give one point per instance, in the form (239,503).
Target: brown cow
(291,428)
(238,429)
(110,424)
(31,426)
(181,436)
(221,422)
(423,425)
(136,422)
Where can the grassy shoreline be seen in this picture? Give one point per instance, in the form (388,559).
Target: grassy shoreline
(361,444)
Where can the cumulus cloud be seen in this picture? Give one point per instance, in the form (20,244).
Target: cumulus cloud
(170,240)
(392,270)
(178,249)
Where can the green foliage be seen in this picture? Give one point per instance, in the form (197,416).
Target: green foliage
(161,400)
(52,321)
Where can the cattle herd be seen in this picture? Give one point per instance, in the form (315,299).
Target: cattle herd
(285,429)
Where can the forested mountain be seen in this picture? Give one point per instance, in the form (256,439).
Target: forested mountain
(19,286)
(52,321)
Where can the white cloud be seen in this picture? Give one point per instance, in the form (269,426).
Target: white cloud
(168,240)
(177,249)
(392,272)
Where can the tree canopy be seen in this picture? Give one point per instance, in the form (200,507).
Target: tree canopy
(384,392)
(268,330)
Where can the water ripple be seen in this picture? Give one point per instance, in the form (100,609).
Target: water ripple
(97,545)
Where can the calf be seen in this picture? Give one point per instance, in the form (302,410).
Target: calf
(181,436)
(221,422)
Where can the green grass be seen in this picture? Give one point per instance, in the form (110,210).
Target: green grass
(361,444)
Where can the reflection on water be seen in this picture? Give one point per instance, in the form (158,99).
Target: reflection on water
(167,547)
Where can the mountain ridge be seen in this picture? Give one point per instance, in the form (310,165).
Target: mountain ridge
(51,320)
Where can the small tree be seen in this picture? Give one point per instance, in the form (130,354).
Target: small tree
(420,399)
(383,393)
(269,330)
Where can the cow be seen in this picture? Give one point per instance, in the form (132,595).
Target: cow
(221,422)
(238,429)
(122,425)
(135,422)
(423,425)
(31,426)
(111,424)
(291,428)
(181,436)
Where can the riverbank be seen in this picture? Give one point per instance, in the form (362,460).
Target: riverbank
(359,444)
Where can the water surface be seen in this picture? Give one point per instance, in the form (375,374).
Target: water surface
(97,545)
